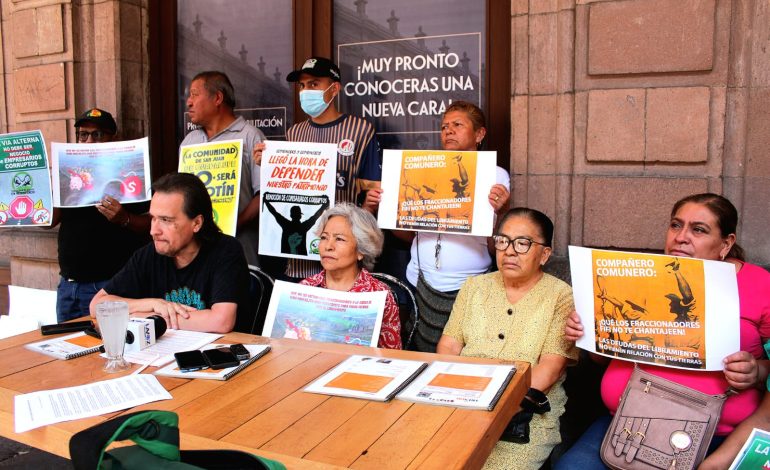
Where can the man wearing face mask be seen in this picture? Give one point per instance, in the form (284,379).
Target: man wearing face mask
(359,162)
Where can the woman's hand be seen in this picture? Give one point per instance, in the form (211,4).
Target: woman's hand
(372,200)
(256,152)
(498,197)
(741,370)
(573,329)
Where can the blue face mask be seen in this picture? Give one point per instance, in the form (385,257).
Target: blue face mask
(312,101)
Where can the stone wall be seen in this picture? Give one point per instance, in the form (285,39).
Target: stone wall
(620,107)
(59,58)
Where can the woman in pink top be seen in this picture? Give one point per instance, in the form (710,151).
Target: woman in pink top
(702,226)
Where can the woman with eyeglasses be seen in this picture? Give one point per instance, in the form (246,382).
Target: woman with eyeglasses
(519,313)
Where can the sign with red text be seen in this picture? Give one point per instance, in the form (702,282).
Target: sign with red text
(298,184)
(84,173)
(297,311)
(664,310)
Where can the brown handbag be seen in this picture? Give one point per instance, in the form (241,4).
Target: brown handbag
(660,425)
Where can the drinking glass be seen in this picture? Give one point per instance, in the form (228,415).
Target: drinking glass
(113,322)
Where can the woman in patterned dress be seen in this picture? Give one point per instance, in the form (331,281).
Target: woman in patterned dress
(518,314)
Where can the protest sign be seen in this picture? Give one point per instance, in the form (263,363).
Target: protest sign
(218,165)
(658,309)
(25,182)
(437,191)
(755,453)
(84,173)
(313,313)
(298,184)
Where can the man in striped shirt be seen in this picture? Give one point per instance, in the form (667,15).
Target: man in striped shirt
(359,162)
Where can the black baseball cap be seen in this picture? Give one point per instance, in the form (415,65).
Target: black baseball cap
(100,118)
(317,67)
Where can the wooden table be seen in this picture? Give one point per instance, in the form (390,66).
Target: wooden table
(263,410)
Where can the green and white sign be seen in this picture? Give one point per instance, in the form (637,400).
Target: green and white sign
(25,180)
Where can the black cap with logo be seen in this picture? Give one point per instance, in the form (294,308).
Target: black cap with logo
(100,118)
(317,67)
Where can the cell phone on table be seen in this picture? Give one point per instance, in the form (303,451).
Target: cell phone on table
(220,358)
(240,351)
(189,361)
(69,327)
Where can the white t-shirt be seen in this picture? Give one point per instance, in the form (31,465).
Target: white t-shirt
(461,256)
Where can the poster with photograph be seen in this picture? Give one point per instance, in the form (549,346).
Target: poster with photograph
(438,191)
(25,181)
(84,173)
(316,314)
(298,184)
(218,165)
(658,309)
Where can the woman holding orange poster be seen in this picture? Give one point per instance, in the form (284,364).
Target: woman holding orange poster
(701,226)
(441,262)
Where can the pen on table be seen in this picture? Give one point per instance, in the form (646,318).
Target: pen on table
(139,370)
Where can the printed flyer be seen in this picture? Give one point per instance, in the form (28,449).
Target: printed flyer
(755,453)
(218,165)
(298,184)
(438,191)
(316,314)
(658,309)
(25,182)
(84,173)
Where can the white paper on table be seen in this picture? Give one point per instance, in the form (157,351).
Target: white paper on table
(171,342)
(476,386)
(32,410)
(39,304)
(371,378)
(641,291)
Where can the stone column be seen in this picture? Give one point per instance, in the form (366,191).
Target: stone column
(59,58)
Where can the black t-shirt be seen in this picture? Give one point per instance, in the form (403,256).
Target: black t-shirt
(91,248)
(218,273)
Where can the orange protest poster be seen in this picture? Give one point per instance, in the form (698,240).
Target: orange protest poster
(437,191)
(665,310)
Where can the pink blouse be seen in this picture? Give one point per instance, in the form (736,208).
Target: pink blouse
(390,332)
(754,294)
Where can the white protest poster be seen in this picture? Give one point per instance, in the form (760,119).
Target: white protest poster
(298,184)
(438,191)
(658,309)
(84,173)
(316,314)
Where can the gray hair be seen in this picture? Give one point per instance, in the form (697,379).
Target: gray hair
(369,237)
(215,81)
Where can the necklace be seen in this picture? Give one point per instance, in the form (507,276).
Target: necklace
(438,252)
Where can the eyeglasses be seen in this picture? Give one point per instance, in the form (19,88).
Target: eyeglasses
(97,135)
(521,245)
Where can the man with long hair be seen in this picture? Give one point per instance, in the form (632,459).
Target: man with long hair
(192,275)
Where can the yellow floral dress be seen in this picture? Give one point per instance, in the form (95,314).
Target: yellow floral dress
(489,326)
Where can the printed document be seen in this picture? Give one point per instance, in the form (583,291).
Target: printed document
(32,410)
